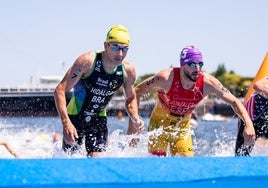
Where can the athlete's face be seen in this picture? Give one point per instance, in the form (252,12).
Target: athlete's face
(192,70)
(117,51)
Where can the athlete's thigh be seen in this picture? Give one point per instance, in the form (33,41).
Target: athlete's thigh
(182,147)
(97,135)
(157,141)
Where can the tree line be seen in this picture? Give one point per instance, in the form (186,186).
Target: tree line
(238,85)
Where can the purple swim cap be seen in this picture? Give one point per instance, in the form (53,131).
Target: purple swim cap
(190,54)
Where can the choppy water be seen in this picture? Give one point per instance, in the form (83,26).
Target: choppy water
(32,138)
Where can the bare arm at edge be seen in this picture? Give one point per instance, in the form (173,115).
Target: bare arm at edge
(213,85)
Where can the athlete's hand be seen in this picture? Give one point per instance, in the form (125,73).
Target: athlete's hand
(138,125)
(249,135)
(69,134)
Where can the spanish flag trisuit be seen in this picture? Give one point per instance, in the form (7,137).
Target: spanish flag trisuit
(170,120)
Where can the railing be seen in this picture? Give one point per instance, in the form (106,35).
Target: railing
(25,90)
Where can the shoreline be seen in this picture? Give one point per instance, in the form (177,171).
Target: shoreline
(40,102)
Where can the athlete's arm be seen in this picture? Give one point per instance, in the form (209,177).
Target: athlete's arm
(160,81)
(131,99)
(9,148)
(261,87)
(80,67)
(157,82)
(213,85)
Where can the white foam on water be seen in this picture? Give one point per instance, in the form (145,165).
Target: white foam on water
(260,148)
(35,141)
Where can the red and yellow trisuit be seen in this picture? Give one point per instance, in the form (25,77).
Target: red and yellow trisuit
(170,119)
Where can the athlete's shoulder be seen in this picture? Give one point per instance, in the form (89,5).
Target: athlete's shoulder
(165,73)
(208,77)
(85,62)
(88,57)
(213,85)
(261,86)
(129,67)
(129,71)
(127,64)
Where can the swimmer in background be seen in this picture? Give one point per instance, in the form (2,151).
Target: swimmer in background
(56,137)
(9,148)
(120,115)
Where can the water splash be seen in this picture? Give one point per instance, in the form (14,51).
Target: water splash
(119,145)
(33,138)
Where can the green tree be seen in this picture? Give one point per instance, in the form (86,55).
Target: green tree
(221,70)
(237,84)
(231,82)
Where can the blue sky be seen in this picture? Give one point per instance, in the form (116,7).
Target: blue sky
(45,37)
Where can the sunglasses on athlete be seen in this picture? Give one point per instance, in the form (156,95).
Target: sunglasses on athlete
(193,64)
(116,48)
